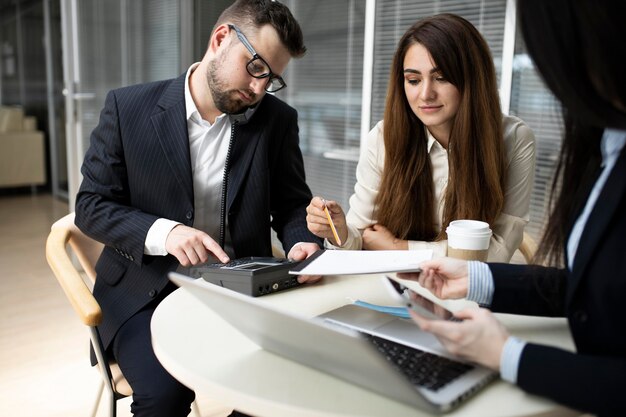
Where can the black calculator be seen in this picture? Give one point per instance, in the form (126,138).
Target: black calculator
(254,275)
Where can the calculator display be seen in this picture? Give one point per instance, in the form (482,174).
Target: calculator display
(253,266)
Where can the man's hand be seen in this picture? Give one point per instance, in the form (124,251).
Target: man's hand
(378,237)
(300,252)
(193,247)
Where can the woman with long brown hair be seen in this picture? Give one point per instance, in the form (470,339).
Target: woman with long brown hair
(443,152)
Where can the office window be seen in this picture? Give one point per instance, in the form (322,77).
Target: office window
(123,43)
(535,104)
(325,87)
(108,44)
(153,37)
(205,15)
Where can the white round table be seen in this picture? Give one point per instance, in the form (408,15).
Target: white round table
(205,353)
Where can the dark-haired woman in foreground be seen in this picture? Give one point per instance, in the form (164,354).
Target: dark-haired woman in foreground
(578,48)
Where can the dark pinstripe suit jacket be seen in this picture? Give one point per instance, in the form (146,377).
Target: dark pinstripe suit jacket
(137,169)
(592,297)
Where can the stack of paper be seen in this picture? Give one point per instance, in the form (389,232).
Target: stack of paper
(349,262)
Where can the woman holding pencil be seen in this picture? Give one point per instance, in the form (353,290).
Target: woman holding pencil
(443,152)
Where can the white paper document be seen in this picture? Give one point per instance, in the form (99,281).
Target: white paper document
(349,262)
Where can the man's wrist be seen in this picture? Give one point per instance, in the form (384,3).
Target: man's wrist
(157,236)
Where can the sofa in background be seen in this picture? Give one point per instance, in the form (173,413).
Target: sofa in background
(22,149)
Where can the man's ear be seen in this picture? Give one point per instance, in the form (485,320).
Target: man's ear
(218,37)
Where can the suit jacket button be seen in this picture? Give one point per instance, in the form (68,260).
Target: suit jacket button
(152,293)
(581,316)
(189,215)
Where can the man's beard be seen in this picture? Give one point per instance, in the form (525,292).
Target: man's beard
(222,98)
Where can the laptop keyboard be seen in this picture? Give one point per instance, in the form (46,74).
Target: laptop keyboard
(423,369)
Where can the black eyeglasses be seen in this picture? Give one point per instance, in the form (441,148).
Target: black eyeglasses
(258,68)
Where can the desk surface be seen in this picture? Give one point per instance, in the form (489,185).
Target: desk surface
(208,355)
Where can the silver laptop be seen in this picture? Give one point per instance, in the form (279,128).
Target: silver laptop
(364,359)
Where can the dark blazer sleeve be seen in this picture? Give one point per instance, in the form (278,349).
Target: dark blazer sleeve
(591,296)
(528,289)
(136,170)
(104,209)
(586,382)
(591,381)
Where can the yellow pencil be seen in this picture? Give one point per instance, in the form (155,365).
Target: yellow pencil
(332,225)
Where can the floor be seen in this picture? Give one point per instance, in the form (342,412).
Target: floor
(44,350)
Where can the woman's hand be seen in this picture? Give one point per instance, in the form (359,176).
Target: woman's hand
(479,338)
(444,277)
(317,222)
(378,237)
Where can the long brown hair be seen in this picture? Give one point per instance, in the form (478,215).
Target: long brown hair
(405,203)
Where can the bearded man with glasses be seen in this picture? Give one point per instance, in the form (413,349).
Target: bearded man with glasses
(194,169)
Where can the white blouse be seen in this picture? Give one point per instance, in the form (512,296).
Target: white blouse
(509,226)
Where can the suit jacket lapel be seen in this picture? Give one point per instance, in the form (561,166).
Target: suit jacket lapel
(244,145)
(599,220)
(170,124)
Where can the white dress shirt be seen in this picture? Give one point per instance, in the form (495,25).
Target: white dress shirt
(208,146)
(508,228)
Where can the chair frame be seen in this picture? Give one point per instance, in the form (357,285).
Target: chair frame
(62,233)
(78,290)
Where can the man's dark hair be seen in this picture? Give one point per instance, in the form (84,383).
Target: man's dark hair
(256,13)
